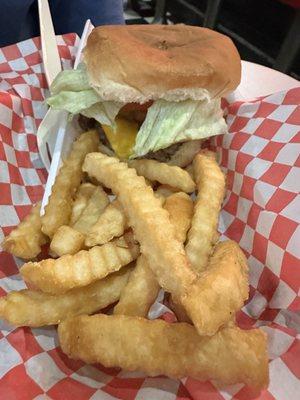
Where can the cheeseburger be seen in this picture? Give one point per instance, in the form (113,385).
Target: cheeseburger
(151,88)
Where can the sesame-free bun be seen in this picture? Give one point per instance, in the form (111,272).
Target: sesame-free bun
(137,63)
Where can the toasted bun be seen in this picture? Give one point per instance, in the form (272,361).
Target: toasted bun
(137,63)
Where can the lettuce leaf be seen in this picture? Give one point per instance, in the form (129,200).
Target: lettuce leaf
(71,92)
(74,102)
(104,112)
(167,123)
(73,80)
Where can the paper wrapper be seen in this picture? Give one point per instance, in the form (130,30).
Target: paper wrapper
(261,156)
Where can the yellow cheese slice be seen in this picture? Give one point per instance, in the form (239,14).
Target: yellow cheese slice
(122,138)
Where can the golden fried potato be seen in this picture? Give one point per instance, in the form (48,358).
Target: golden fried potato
(66,240)
(176,350)
(165,254)
(59,208)
(140,292)
(80,269)
(34,308)
(164,173)
(211,189)
(150,222)
(180,208)
(220,290)
(70,240)
(110,224)
(94,208)
(186,153)
(82,197)
(26,239)
(142,287)
(165,191)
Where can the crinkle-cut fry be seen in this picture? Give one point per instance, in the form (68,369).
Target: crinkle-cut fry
(81,269)
(180,208)
(220,290)
(140,291)
(142,288)
(70,240)
(34,308)
(160,348)
(66,240)
(82,197)
(150,222)
(110,224)
(26,239)
(94,208)
(165,190)
(59,208)
(164,253)
(211,189)
(186,153)
(164,173)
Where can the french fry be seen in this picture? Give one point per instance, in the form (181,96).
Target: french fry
(66,240)
(164,173)
(160,348)
(26,239)
(140,291)
(110,224)
(211,189)
(165,254)
(150,222)
(59,208)
(70,240)
(220,290)
(186,153)
(82,197)
(180,208)
(94,208)
(81,269)
(142,287)
(165,190)
(35,309)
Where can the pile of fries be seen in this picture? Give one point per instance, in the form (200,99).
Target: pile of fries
(121,250)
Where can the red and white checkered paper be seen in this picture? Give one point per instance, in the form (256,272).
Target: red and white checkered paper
(261,156)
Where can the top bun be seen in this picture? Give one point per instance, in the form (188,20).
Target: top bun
(138,63)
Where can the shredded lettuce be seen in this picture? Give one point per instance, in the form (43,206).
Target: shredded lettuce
(71,92)
(104,112)
(167,123)
(73,80)
(73,102)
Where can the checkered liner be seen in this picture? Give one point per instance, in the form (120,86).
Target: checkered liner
(261,156)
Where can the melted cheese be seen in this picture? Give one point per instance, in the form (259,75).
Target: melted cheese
(122,138)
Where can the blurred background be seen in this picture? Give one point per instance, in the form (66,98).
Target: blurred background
(266,32)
